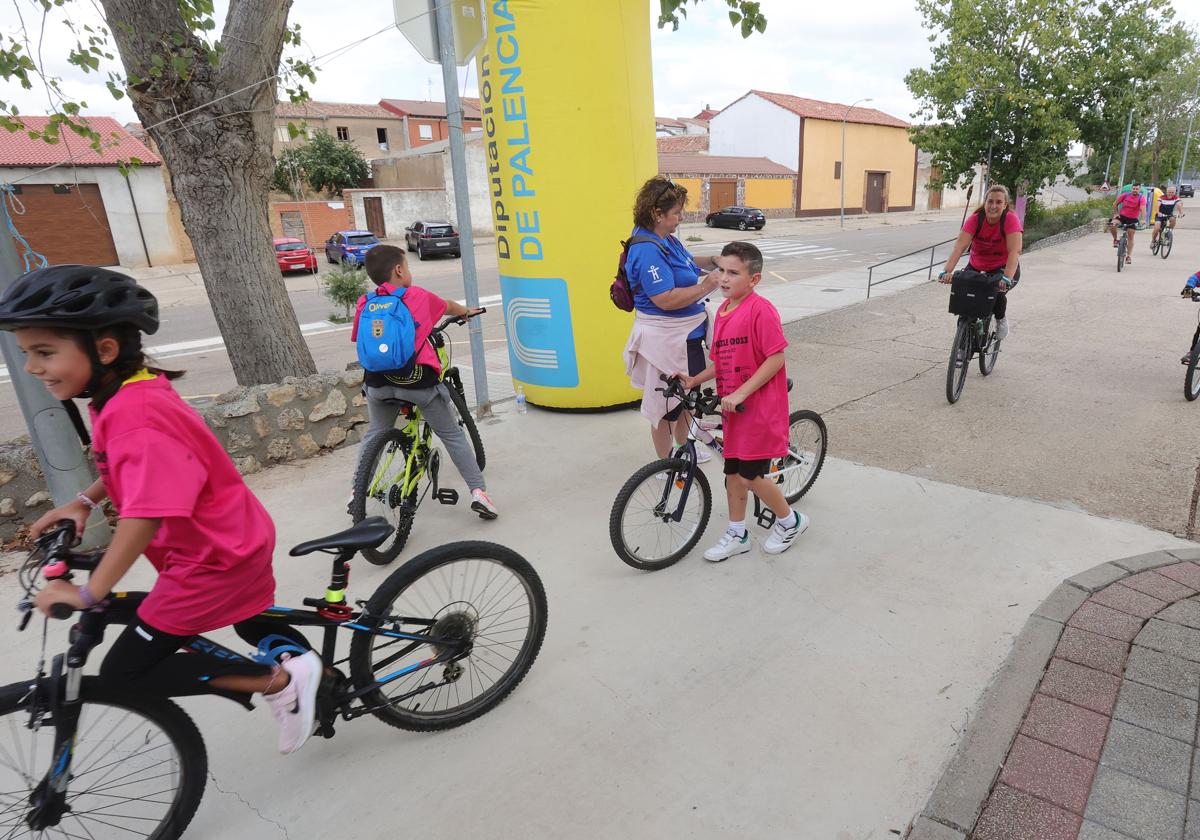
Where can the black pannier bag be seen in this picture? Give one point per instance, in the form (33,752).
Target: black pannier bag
(973,293)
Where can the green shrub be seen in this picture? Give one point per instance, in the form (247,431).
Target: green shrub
(344,286)
(1041,223)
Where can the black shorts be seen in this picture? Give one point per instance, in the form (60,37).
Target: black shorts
(697,362)
(1125,221)
(748,470)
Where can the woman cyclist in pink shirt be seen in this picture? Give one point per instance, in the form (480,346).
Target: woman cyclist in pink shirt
(181,502)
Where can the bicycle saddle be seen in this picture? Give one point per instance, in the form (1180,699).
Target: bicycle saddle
(366,534)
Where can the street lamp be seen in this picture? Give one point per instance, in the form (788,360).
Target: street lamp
(842,215)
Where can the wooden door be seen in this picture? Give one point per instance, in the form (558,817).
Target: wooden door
(935,196)
(373,207)
(721,193)
(292,222)
(876,197)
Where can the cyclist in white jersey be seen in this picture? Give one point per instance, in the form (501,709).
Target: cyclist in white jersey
(1170,208)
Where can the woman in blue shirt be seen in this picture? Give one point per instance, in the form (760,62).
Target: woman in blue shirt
(669,289)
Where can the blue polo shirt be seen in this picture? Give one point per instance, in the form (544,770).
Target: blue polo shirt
(651,273)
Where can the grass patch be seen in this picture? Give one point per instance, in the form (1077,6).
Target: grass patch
(694,238)
(1041,223)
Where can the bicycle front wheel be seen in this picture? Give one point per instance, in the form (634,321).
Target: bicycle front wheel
(1191,382)
(138,767)
(643,526)
(1168,239)
(1122,245)
(807,439)
(485,600)
(960,360)
(379,491)
(991,349)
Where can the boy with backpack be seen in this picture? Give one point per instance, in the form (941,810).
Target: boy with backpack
(400,317)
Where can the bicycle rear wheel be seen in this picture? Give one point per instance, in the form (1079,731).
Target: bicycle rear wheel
(642,527)
(138,767)
(960,360)
(807,440)
(991,349)
(468,424)
(1168,239)
(480,595)
(379,491)
(1191,382)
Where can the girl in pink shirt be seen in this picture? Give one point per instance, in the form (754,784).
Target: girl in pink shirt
(181,501)
(747,361)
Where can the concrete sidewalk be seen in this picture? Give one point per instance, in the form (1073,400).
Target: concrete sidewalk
(813,694)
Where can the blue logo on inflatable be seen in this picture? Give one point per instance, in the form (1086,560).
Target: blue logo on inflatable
(541,343)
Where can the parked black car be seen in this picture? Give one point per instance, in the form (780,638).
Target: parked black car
(737,217)
(428,238)
(1186,191)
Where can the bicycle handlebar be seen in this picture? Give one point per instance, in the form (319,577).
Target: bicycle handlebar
(695,400)
(456,319)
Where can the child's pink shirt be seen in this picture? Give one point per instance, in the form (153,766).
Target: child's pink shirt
(158,460)
(742,340)
(426,309)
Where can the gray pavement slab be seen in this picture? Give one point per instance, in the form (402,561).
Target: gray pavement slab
(1163,671)
(926,829)
(1186,613)
(1150,560)
(1061,604)
(1171,638)
(1148,756)
(1156,710)
(1136,808)
(1094,831)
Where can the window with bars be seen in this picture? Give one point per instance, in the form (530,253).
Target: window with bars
(837,170)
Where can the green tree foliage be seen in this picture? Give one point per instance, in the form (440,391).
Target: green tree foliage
(324,163)
(744,14)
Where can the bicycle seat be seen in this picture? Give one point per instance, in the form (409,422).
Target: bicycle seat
(366,534)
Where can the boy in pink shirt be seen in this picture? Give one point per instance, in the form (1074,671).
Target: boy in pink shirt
(747,361)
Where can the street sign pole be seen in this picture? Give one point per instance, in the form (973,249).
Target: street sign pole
(59,452)
(1125,153)
(462,200)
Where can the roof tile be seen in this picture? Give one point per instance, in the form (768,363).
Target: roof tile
(818,110)
(324,110)
(693,164)
(17,148)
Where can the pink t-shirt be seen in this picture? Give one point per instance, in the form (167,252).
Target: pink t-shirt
(426,308)
(989,247)
(158,460)
(742,340)
(1132,205)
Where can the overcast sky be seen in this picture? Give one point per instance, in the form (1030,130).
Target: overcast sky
(824,50)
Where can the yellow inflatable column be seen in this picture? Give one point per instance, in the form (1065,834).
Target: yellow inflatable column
(568,115)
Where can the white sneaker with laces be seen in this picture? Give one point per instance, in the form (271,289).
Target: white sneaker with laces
(730,545)
(295,705)
(782,538)
(703,456)
(1001,329)
(483,505)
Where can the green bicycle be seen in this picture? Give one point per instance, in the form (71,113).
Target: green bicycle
(387,482)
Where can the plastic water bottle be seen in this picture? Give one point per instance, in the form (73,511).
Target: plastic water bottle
(521,407)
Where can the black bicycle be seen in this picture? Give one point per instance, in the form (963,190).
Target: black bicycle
(1123,242)
(662,510)
(1191,380)
(443,640)
(1161,245)
(972,298)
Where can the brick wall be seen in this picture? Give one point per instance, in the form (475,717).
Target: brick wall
(321,218)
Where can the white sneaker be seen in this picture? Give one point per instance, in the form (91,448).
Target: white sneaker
(703,456)
(1001,329)
(728,546)
(781,538)
(295,705)
(484,506)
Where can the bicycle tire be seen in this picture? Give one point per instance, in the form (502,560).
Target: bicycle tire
(468,423)
(1191,382)
(630,547)
(796,421)
(1122,246)
(99,702)
(987,356)
(1165,250)
(404,581)
(960,360)
(400,512)
(1154,244)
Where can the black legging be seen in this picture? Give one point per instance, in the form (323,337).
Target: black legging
(145,659)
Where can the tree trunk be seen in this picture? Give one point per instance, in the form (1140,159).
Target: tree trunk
(221,166)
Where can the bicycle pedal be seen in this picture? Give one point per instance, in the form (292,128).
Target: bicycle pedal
(446,496)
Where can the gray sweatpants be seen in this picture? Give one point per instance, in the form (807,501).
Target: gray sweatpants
(383,408)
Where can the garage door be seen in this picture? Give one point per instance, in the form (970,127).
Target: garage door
(67,223)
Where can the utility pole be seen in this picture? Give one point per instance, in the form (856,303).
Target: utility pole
(462,202)
(1187,138)
(842,214)
(1125,152)
(59,451)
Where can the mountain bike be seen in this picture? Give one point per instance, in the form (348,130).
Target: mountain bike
(1191,380)
(1123,242)
(974,335)
(662,510)
(387,480)
(1166,238)
(443,640)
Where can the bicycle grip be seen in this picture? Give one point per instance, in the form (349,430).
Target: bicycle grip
(61,611)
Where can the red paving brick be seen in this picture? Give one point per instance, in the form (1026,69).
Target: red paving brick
(1014,815)
(1099,652)
(1049,773)
(1163,588)
(1082,686)
(1128,600)
(1106,621)
(1186,573)
(1064,725)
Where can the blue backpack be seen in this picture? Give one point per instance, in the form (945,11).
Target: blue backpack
(387,333)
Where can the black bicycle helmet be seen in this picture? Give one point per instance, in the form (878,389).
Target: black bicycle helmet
(77,297)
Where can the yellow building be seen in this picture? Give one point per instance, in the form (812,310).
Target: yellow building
(714,182)
(806,135)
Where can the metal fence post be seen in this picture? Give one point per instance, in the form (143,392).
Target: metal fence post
(869,273)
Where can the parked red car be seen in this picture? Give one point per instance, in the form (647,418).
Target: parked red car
(294,255)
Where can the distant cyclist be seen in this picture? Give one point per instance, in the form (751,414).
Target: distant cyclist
(994,234)
(1128,208)
(1170,208)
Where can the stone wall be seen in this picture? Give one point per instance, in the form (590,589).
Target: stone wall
(259,426)
(1094,226)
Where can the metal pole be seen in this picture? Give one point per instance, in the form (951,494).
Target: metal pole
(1187,138)
(59,452)
(1107,167)
(988,183)
(462,201)
(1125,152)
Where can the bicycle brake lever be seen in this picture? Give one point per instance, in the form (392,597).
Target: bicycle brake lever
(26,608)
